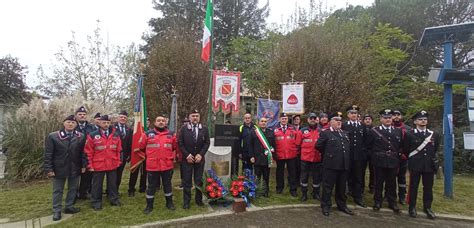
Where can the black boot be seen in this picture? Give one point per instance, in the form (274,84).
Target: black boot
(316,194)
(169,203)
(304,196)
(149,206)
(412,212)
(429,213)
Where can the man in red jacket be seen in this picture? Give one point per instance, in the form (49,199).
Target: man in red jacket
(310,158)
(160,146)
(286,151)
(103,148)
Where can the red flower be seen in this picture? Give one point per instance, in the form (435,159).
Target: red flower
(241,183)
(209,180)
(212,194)
(219,194)
(235,193)
(241,189)
(234,183)
(214,184)
(219,189)
(241,177)
(209,188)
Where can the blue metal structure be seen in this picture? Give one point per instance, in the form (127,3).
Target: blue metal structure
(449,34)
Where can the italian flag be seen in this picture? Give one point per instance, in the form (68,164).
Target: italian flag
(139,127)
(206,37)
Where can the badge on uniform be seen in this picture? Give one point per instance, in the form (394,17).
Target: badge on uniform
(97,137)
(151,135)
(276,130)
(306,132)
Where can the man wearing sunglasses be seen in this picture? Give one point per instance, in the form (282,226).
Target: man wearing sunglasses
(384,143)
(422,145)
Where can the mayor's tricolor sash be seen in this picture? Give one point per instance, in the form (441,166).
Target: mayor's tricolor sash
(263,140)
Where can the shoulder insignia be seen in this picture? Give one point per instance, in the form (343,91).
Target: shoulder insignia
(97,137)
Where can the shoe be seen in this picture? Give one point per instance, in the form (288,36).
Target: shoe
(412,212)
(141,190)
(304,197)
(98,208)
(131,194)
(169,203)
(56,216)
(395,208)
(360,203)
(346,210)
(325,211)
(279,191)
(377,207)
(116,203)
(199,203)
(186,205)
(71,210)
(429,213)
(402,201)
(293,194)
(149,206)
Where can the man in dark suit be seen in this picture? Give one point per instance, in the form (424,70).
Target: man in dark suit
(422,146)
(356,132)
(126,134)
(384,143)
(193,142)
(333,143)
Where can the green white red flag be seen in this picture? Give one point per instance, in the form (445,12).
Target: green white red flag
(206,37)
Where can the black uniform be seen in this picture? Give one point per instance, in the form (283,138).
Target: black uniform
(356,132)
(402,170)
(257,151)
(245,131)
(384,145)
(335,149)
(126,135)
(86,177)
(422,164)
(190,144)
(64,155)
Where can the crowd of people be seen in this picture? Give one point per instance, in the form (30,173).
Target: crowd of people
(329,153)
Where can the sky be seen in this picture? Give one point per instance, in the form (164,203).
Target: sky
(33,30)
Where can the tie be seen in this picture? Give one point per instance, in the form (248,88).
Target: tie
(195,133)
(424,133)
(284,129)
(123,130)
(106,133)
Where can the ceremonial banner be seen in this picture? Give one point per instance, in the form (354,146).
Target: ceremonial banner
(293,98)
(226,90)
(139,127)
(269,109)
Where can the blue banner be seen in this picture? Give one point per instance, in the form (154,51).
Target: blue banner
(269,109)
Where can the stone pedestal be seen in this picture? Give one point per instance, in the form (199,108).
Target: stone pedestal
(219,159)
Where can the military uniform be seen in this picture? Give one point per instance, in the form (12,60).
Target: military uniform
(126,134)
(193,140)
(358,154)
(384,143)
(335,149)
(422,147)
(86,178)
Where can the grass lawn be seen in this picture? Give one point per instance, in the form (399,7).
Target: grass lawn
(32,200)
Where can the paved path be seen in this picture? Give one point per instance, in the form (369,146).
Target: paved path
(38,222)
(312,217)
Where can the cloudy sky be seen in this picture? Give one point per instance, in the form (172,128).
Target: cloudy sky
(34,30)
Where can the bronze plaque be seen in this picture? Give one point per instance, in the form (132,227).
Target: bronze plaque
(221,167)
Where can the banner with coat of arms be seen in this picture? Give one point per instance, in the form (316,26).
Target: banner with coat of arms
(293,98)
(226,90)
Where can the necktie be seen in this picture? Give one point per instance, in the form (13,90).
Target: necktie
(123,130)
(284,129)
(106,133)
(195,132)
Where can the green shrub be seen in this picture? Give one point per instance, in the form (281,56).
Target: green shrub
(27,128)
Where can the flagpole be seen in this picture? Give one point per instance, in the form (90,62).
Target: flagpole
(211,68)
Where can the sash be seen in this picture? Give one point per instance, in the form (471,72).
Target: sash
(421,146)
(263,140)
